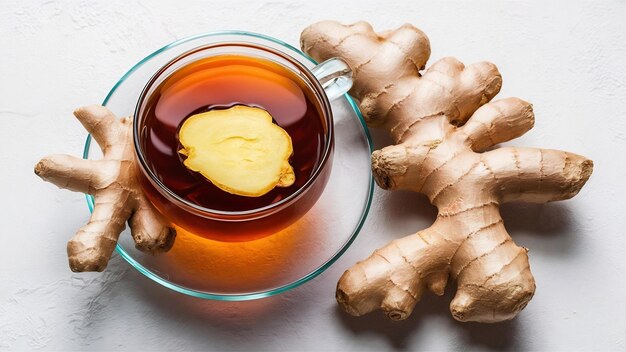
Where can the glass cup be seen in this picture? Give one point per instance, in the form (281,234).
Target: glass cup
(327,81)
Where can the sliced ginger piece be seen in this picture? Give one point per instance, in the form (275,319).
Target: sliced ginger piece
(238,149)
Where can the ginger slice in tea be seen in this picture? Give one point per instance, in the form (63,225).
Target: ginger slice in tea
(238,149)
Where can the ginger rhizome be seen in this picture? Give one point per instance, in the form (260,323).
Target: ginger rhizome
(117,193)
(238,149)
(444,128)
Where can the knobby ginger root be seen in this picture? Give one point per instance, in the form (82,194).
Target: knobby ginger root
(238,149)
(444,129)
(113,183)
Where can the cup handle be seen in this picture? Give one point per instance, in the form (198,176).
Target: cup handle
(335,76)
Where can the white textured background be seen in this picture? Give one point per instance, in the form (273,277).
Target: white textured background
(568,58)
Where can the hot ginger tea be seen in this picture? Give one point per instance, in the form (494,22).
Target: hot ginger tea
(221,82)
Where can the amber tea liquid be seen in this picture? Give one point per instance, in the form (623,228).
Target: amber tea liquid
(218,83)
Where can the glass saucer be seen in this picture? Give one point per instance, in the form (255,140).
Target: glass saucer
(233,271)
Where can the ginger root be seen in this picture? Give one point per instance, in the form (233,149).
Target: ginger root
(444,129)
(238,149)
(118,196)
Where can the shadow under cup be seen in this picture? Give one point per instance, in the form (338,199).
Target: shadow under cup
(250,224)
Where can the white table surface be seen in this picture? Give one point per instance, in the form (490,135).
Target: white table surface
(567,58)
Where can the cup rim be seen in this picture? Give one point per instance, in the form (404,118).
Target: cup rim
(247,215)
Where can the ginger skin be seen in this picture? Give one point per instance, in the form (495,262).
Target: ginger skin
(118,196)
(444,129)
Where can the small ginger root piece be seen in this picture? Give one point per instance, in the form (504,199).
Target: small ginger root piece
(117,193)
(238,149)
(444,129)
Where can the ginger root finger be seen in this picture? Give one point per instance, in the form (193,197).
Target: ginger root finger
(102,124)
(536,175)
(441,120)
(396,166)
(465,88)
(117,193)
(498,122)
(389,279)
(149,229)
(93,244)
(369,67)
(512,280)
(86,174)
